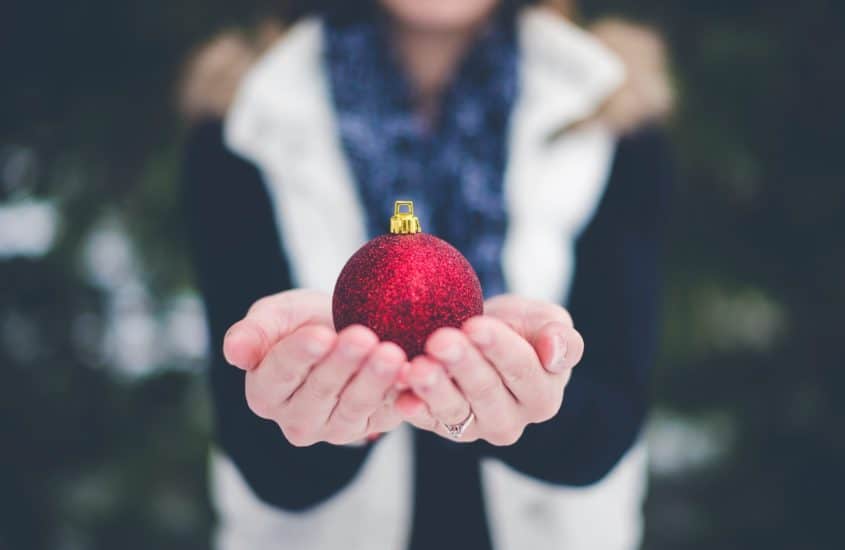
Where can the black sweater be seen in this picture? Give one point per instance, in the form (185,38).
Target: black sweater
(239,258)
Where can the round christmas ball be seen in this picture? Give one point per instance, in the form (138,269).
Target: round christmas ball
(406,284)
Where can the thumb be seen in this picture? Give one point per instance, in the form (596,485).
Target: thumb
(245,344)
(270,320)
(559,347)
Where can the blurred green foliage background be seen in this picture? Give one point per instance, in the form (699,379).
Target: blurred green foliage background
(103,408)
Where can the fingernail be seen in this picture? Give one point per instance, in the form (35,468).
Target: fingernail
(451,353)
(232,332)
(227,354)
(559,353)
(241,355)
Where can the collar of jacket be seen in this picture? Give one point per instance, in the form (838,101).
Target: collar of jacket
(566,75)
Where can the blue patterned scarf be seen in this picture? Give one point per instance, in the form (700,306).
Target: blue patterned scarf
(453,171)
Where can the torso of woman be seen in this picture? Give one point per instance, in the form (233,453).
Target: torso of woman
(274,201)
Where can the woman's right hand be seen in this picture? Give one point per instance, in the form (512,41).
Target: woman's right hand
(317,385)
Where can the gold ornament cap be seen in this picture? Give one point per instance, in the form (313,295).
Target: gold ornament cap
(403,221)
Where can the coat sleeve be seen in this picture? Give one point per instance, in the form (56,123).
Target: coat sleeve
(614,302)
(238,258)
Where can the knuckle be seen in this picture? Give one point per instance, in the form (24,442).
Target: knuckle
(297,436)
(515,437)
(338,439)
(546,406)
(260,304)
(289,377)
(258,401)
(321,390)
(356,407)
(345,416)
(546,410)
(455,414)
(509,428)
(493,440)
(383,424)
(260,408)
(497,438)
(504,438)
(486,389)
(424,421)
(559,314)
(516,373)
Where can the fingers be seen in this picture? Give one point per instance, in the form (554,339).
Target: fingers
(312,403)
(409,404)
(319,386)
(430,382)
(384,420)
(285,368)
(481,385)
(298,370)
(535,372)
(541,313)
(559,347)
(511,370)
(510,354)
(548,327)
(509,367)
(415,411)
(525,316)
(245,344)
(367,393)
(271,319)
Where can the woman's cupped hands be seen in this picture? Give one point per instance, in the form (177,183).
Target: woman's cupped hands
(493,376)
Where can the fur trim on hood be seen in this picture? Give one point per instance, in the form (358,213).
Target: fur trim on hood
(214,71)
(646,95)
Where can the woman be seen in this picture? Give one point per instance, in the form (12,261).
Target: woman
(524,143)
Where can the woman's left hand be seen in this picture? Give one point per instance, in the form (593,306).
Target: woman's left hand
(508,367)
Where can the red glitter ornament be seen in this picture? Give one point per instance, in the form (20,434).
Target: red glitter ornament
(405,285)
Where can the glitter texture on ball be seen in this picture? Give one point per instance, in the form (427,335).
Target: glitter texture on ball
(405,285)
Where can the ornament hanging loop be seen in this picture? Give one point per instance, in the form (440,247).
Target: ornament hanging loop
(403,221)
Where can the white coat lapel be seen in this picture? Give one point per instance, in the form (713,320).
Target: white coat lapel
(553,185)
(283,121)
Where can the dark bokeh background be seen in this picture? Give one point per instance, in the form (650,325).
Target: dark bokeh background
(103,413)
